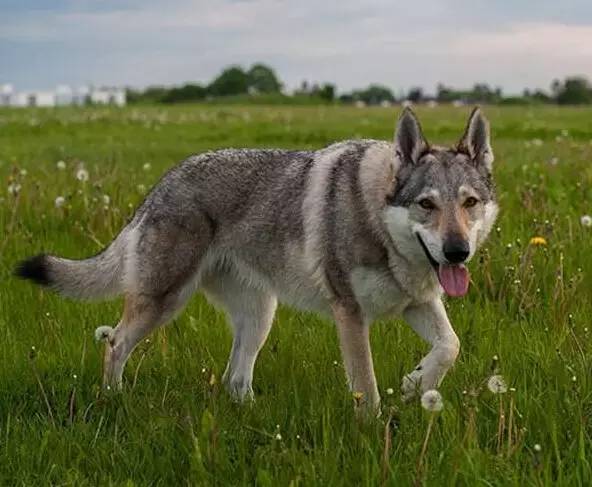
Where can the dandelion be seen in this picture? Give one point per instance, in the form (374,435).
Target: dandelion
(538,241)
(390,391)
(74,376)
(431,401)
(60,201)
(82,174)
(61,165)
(586,221)
(278,437)
(23,172)
(574,378)
(497,384)
(14,189)
(147,166)
(106,200)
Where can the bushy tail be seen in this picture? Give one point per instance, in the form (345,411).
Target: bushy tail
(97,277)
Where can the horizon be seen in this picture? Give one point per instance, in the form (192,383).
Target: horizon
(459,43)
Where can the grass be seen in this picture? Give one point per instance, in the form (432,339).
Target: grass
(529,307)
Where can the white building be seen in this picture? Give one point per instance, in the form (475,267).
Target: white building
(6,94)
(63,95)
(108,96)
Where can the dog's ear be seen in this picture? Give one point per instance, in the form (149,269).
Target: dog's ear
(475,141)
(409,140)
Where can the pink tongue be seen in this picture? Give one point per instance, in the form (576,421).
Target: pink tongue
(454,279)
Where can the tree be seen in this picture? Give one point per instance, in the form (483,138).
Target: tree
(327,92)
(415,95)
(188,92)
(573,91)
(262,79)
(232,81)
(373,95)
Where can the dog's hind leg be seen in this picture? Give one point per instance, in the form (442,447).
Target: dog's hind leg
(162,272)
(250,311)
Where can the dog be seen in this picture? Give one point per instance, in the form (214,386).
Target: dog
(358,230)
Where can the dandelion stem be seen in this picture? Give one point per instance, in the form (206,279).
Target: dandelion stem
(386,454)
(510,424)
(500,424)
(425,446)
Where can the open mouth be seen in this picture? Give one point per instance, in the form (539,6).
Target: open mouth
(454,278)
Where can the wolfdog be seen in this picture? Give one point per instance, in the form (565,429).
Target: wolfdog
(358,230)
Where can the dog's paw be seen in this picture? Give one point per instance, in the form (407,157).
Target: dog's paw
(103,333)
(411,386)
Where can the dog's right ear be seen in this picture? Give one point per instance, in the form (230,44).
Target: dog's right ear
(409,140)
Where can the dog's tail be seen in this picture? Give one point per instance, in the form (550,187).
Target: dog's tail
(97,277)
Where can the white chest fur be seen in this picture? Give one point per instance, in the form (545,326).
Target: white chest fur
(378,293)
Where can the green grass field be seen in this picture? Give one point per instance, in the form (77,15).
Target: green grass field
(529,306)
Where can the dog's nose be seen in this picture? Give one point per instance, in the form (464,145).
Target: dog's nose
(456,250)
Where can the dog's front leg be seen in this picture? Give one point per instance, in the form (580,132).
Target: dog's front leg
(430,321)
(354,338)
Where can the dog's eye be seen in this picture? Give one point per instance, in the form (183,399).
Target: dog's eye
(470,202)
(426,204)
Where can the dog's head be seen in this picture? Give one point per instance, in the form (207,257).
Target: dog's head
(443,204)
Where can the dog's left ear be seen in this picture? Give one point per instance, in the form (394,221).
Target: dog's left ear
(475,141)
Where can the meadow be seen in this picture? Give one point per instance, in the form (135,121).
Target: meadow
(70,178)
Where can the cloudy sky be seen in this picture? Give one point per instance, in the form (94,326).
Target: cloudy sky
(512,44)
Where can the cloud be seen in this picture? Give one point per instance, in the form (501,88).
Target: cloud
(147,42)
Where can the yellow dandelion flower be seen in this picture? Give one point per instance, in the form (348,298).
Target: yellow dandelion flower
(538,241)
(358,396)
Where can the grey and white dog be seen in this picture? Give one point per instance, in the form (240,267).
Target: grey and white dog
(358,230)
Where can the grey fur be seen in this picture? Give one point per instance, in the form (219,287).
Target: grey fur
(332,231)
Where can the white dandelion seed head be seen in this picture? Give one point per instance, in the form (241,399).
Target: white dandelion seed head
(432,401)
(14,189)
(586,221)
(147,166)
(497,384)
(537,447)
(61,165)
(106,199)
(23,172)
(390,391)
(82,174)
(278,437)
(103,333)
(60,201)
(574,378)
(74,376)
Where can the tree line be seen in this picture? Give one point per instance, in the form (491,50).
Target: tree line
(260,83)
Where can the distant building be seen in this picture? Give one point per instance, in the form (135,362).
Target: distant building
(62,96)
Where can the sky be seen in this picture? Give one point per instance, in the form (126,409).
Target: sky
(352,43)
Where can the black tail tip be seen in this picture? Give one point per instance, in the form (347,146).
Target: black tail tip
(34,269)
